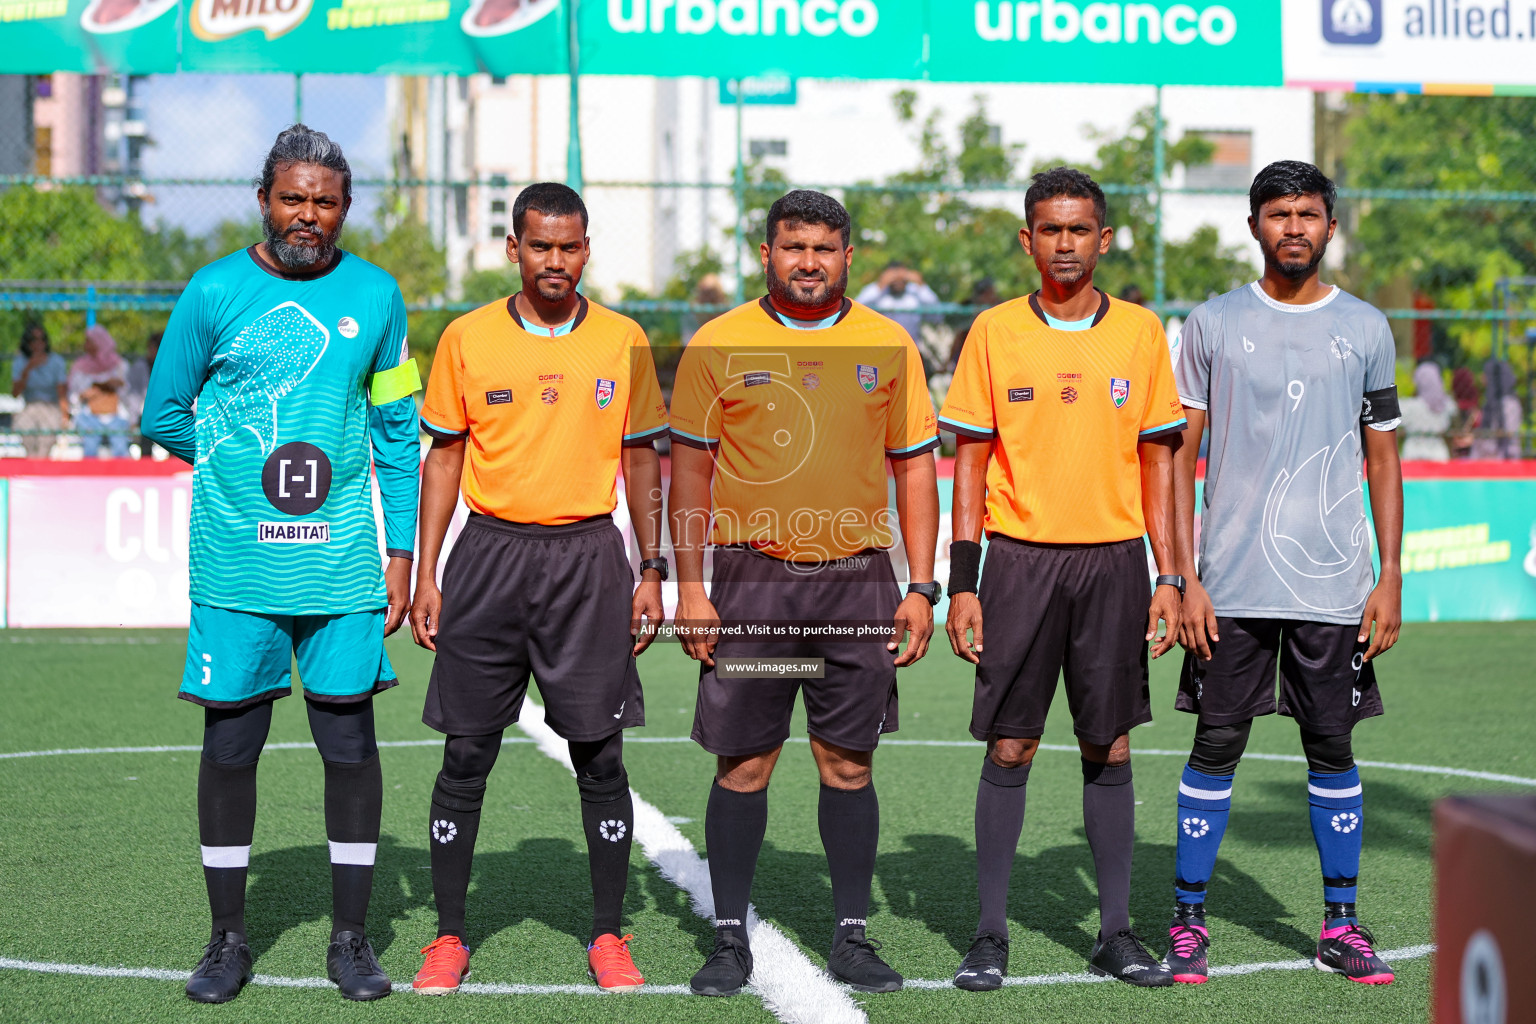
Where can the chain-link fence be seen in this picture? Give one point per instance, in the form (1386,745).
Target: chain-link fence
(116,251)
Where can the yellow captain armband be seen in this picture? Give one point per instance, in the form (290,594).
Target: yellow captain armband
(392,385)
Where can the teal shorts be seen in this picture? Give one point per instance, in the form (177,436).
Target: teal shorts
(235,659)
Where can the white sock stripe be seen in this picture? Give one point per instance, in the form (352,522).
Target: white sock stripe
(1205,794)
(1354,790)
(353,853)
(226,856)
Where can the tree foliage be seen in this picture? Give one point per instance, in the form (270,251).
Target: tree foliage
(1453,251)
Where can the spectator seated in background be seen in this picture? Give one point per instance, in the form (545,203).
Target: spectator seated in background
(138,387)
(898,292)
(97,387)
(1501,414)
(710,292)
(1469,413)
(1426,416)
(38,377)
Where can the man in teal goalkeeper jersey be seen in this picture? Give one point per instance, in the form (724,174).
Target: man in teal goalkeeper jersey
(283,377)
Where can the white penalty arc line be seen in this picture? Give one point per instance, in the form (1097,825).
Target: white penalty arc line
(791,987)
(1422,769)
(486,989)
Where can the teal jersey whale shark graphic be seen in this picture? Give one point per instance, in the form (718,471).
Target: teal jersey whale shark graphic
(263,384)
(268,359)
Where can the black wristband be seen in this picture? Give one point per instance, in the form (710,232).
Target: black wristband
(964,567)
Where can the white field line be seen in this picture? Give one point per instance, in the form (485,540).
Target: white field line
(1423,769)
(791,987)
(1081,978)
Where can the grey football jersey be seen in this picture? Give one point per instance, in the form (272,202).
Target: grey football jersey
(1284,532)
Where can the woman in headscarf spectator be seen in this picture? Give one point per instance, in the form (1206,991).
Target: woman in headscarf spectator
(1501,416)
(1469,413)
(38,378)
(1426,416)
(97,383)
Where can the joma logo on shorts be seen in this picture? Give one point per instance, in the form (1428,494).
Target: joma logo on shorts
(293,533)
(850,562)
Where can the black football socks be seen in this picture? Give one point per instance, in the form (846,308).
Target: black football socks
(226,820)
(734,825)
(1109,818)
(354,798)
(608,819)
(850,833)
(999,821)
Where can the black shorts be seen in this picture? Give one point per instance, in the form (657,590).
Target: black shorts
(551,600)
(1325,682)
(1073,610)
(855,701)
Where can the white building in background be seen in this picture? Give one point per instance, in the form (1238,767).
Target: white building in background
(678,131)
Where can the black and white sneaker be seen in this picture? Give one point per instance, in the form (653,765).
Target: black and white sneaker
(352,965)
(985,964)
(223,970)
(726,971)
(856,962)
(1123,957)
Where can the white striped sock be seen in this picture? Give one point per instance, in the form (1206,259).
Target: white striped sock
(226,856)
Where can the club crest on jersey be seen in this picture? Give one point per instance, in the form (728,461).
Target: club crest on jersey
(1119,391)
(604,393)
(869,376)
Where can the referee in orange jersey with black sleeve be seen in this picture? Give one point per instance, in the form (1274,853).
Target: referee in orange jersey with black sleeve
(1066,414)
(536,403)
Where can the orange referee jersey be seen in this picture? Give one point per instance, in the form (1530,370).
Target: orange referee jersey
(1065,411)
(801,422)
(544,418)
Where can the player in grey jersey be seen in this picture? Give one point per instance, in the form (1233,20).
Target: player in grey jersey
(1295,379)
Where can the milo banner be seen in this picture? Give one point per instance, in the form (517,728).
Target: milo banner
(1233,42)
(88,36)
(1469,550)
(501,37)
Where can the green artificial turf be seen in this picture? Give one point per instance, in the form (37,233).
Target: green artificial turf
(99,864)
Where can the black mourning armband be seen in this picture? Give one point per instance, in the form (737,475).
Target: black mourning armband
(1380,406)
(964,566)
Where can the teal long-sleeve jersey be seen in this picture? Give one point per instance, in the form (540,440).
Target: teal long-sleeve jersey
(280,391)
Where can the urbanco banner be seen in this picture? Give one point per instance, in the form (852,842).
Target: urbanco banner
(1226,42)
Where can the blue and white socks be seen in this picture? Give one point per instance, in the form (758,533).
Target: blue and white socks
(1205,801)
(1338,812)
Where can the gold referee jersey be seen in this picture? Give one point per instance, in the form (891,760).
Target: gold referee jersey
(801,423)
(1065,411)
(545,418)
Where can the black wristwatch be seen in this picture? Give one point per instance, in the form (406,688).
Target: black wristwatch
(932,591)
(1172,581)
(659,564)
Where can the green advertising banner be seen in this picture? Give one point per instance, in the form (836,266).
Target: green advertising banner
(415,37)
(1469,550)
(87,36)
(1236,42)
(736,38)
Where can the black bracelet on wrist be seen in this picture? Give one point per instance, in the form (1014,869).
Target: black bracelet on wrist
(964,566)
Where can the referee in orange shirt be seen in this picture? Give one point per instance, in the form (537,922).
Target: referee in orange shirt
(785,414)
(536,403)
(1066,415)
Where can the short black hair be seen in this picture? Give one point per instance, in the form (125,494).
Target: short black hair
(300,144)
(806,206)
(35,327)
(1285,178)
(550,198)
(1064,181)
